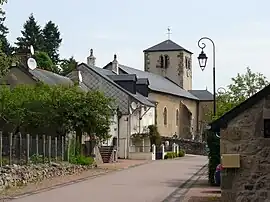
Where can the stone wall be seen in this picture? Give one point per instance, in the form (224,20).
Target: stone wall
(190,147)
(16,175)
(244,135)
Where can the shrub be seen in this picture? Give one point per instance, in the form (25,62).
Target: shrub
(81,160)
(181,153)
(171,155)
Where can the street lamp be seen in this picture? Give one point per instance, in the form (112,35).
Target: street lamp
(202,62)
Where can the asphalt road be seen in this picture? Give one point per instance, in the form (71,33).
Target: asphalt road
(151,182)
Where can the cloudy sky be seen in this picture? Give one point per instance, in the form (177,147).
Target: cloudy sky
(240,30)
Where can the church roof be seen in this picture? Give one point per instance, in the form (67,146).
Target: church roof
(167,45)
(203,95)
(159,83)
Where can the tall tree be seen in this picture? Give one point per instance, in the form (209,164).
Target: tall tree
(68,65)
(52,41)
(6,47)
(31,35)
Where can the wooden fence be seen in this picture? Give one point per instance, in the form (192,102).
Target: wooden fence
(24,149)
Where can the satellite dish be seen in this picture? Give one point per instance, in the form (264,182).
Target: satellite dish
(133,105)
(31,63)
(80,76)
(32,50)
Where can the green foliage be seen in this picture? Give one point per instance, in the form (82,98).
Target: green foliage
(170,155)
(181,153)
(59,108)
(45,62)
(31,35)
(81,160)
(36,159)
(154,135)
(242,87)
(213,143)
(52,41)
(68,66)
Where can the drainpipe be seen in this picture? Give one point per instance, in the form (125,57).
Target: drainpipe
(119,115)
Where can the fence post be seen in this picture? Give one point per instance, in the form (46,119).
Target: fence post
(56,147)
(68,147)
(27,148)
(1,148)
(37,141)
(20,147)
(62,148)
(44,148)
(173,147)
(153,152)
(50,148)
(10,148)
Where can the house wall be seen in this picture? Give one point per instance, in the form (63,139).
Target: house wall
(177,71)
(172,103)
(244,135)
(113,131)
(16,76)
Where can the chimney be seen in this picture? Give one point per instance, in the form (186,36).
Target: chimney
(91,60)
(115,67)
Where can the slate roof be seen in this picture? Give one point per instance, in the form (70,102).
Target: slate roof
(167,45)
(50,77)
(248,103)
(103,73)
(122,77)
(142,81)
(159,83)
(203,95)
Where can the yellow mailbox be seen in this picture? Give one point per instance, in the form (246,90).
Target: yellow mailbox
(230,160)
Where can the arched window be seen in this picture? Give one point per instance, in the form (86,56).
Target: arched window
(177,117)
(165,116)
(167,61)
(161,61)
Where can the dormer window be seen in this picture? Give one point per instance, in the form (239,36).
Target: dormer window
(167,61)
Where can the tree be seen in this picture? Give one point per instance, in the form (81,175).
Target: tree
(242,87)
(45,62)
(68,66)
(246,85)
(52,41)
(31,35)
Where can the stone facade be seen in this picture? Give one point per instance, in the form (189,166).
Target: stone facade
(172,103)
(244,135)
(179,70)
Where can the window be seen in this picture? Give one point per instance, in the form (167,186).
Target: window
(266,128)
(161,61)
(177,117)
(165,116)
(167,61)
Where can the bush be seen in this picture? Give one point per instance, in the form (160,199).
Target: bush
(181,153)
(81,160)
(170,155)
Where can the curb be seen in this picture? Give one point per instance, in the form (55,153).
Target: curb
(177,195)
(60,185)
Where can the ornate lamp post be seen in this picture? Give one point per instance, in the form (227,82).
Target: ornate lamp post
(202,62)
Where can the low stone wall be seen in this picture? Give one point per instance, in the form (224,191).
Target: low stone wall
(140,155)
(190,147)
(16,175)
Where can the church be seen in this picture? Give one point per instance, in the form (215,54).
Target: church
(180,110)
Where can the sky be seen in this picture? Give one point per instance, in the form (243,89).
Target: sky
(240,30)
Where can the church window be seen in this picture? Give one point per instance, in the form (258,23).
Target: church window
(161,61)
(165,116)
(177,117)
(167,61)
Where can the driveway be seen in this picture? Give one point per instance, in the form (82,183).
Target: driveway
(151,182)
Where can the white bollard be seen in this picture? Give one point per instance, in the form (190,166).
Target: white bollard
(153,152)
(177,148)
(174,147)
(163,151)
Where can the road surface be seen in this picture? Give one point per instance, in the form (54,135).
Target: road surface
(151,182)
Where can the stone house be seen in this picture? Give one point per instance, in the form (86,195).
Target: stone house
(135,111)
(180,109)
(245,149)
